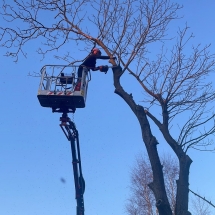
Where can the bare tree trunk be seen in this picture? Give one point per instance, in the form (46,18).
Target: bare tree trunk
(150,141)
(183,186)
(182,194)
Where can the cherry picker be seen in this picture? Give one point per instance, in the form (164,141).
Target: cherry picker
(57,90)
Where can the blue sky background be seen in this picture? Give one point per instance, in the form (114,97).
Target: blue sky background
(35,155)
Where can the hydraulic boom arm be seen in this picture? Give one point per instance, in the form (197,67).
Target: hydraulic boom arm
(71,133)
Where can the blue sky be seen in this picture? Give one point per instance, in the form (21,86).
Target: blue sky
(35,155)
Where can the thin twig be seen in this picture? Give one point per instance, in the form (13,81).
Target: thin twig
(203,198)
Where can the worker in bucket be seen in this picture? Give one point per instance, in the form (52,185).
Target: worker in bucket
(90,63)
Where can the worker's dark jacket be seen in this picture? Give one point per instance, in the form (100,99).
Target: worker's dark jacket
(90,62)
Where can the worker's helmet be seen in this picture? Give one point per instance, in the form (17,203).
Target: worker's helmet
(97,50)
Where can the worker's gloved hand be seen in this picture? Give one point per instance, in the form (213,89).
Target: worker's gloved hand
(103,69)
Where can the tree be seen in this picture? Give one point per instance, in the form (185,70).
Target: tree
(200,207)
(174,82)
(141,200)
